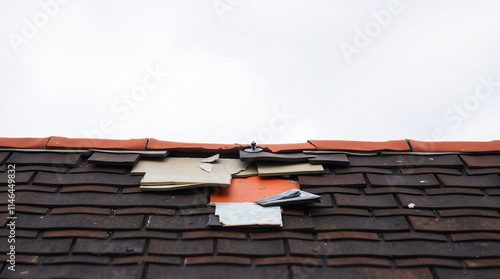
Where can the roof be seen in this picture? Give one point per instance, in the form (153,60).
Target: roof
(402,209)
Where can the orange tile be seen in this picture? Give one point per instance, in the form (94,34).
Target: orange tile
(252,189)
(455,146)
(155,144)
(291,147)
(30,143)
(83,143)
(346,145)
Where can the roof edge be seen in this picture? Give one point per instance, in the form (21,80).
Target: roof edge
(151,144)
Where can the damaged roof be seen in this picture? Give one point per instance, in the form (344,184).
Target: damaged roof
(402,209)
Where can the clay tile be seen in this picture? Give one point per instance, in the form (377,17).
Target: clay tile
(291,147)
(455,146)
(367,146)
(29,143)
(155,144)
(84,143)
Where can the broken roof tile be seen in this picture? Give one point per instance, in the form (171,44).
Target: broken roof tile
(84,144)
(360,146)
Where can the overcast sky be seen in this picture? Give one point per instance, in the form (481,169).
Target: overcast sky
(239,70)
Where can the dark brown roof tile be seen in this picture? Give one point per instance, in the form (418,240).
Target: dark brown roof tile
(481,171)
(456,224)
(338,211)
(113,159)
(479,181)
(414,236)
(38,246)
(21,178)
(144,234)
(351,180)
(46,178)
(481,161)
(89,188)
(327,223)
(374,201)
(44,158)
(217,260)
(450,201)
(281,234)
(214,234)
(87,167)
(77,259)
(251,247)
(184,247)
(390,161)
(345,170)
(392,190)
(81,209)
(218,271)
(408,212)
(453,191)
(289,260)
(197,211)
(19,233)
(408,248)
(41,168)
(326,189)
(485,273)
(357,261)
(146,259)
(430,171)
(475,236)
(481,263)
(177,223)
(145,210)
(348,235)
(362,272)
(107,247)
(31,209)
(75,233)
(79,221)
(74,271)
(427,262)
(468,212)
(416,180)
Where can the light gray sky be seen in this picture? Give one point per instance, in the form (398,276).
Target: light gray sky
(239,70)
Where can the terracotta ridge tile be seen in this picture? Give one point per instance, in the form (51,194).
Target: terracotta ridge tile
(96,143)
(455,146)
(347,145)
(154,144)
(27,142)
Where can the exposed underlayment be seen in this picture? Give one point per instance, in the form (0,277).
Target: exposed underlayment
(380,214)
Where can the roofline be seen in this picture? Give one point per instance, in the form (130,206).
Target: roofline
(151,144)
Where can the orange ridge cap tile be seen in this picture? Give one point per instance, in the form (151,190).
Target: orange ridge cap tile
(155,144)
(347,145)
(28,143)
(288,147)
(455,146)
(85,143)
